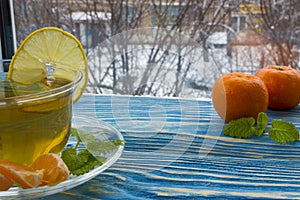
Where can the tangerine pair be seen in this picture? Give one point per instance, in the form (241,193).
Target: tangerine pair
(236,95)
(47,169)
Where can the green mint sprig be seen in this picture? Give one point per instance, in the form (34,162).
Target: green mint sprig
(281,131)
(81,162)
(262,122)
(241,128)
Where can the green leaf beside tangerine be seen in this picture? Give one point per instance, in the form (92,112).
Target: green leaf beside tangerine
(281,131)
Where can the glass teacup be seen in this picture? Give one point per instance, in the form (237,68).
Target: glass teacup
(35,119)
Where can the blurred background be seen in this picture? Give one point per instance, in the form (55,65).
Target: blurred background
(131,48)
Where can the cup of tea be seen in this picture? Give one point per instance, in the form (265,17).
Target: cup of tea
(35,119)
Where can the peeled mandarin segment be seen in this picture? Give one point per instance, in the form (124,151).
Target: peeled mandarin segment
(54,168)
(283,84)
(5,183)
(23,175)
(49,45)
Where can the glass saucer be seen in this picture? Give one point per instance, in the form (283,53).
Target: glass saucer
(101,131)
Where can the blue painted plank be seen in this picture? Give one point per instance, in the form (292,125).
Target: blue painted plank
(175,149)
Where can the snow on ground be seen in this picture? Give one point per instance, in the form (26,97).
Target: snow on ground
(162,73)
(187,70)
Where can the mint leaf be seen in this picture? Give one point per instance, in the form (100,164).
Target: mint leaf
(283,132)
(85,160)
(88,166)
(117,142)
(240,128)
(87,136)
(262,122)
(96,146)
(80,163)
(101,147)
(71,159)
(74,132)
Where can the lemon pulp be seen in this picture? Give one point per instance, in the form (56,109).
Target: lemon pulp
(49,46)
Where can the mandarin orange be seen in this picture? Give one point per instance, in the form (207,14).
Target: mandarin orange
(5,183)
(283,84)
(23,175)
(236,95)
(53,167)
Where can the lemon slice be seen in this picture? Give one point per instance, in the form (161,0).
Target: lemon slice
(49,46)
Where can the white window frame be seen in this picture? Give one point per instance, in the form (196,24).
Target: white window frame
(238,17)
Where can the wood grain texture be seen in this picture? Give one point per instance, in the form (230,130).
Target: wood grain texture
(175,149)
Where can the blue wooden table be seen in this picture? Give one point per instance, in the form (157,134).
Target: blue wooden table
(175,149)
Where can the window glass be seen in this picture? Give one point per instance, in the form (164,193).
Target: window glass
(230,35)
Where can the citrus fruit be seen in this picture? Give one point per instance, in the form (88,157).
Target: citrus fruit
(236,95)
(49,46)
(5,183)
(22,174)
(283,84)
(53,167)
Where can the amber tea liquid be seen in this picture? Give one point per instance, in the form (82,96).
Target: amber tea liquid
(36,125)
